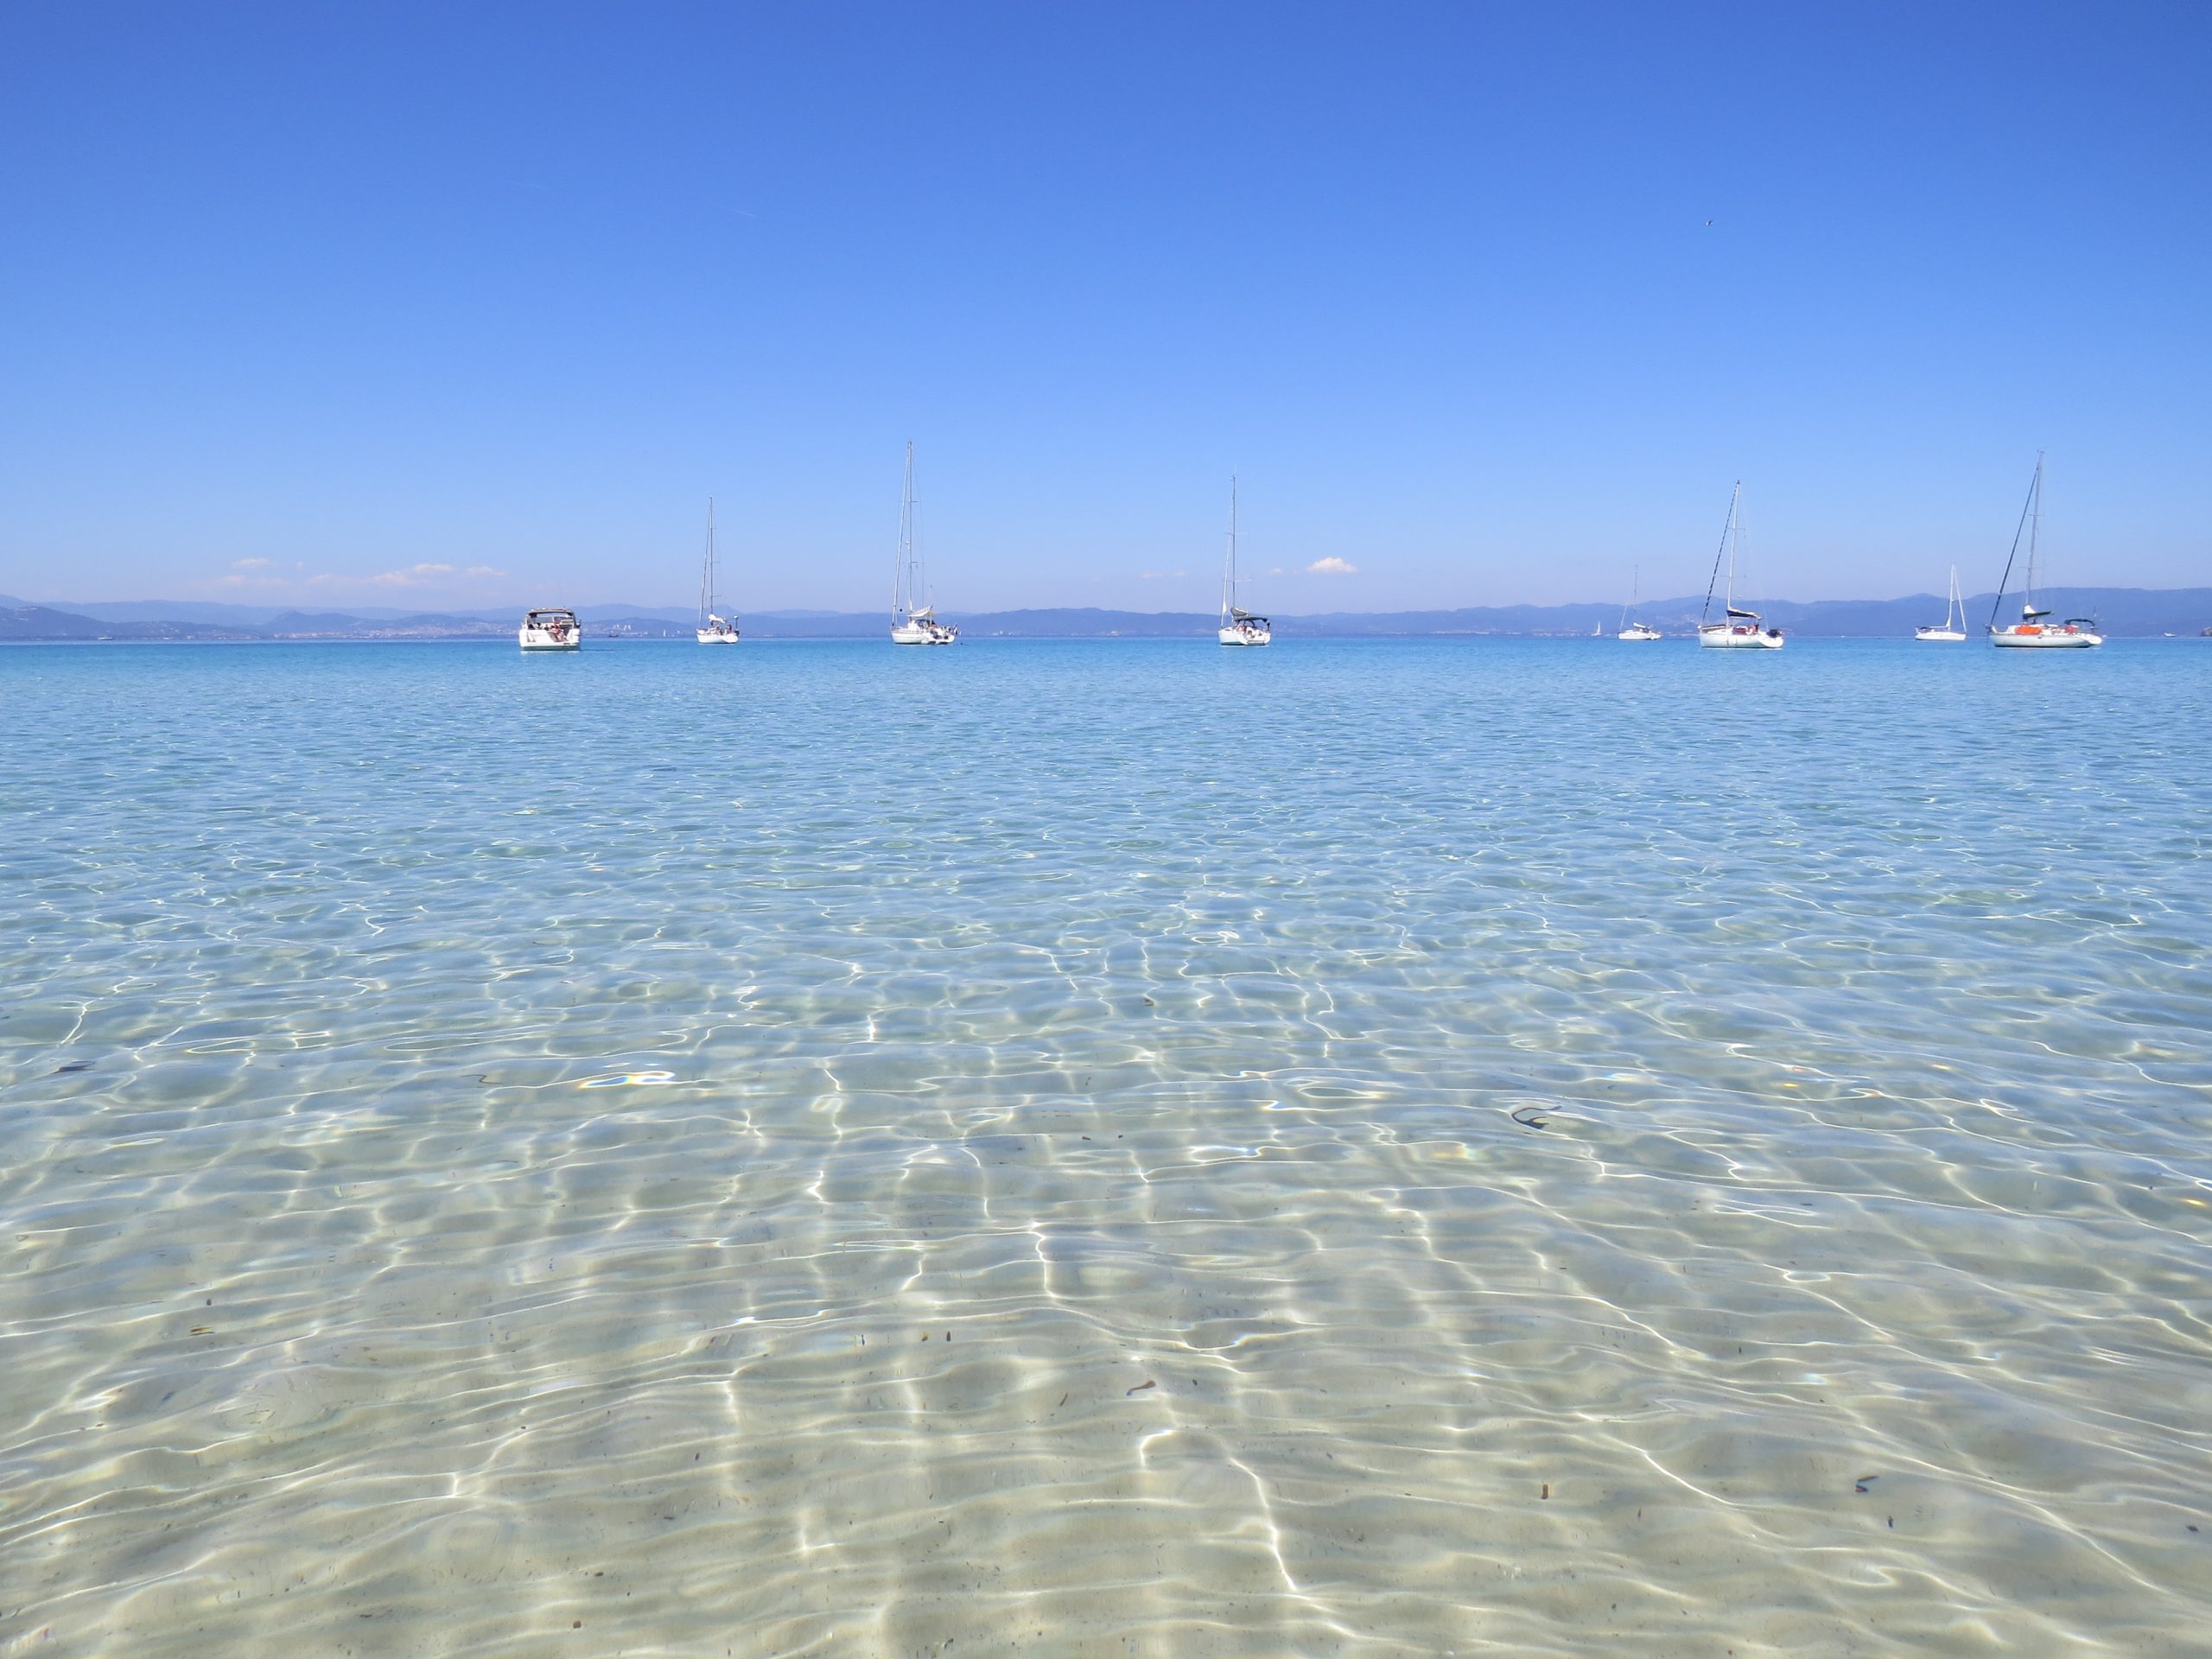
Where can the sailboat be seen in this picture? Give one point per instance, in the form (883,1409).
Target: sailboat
(2075,634)
(715,629)
(1738,630)
(913,618)
(1637,629)
(1238,625)
(1950,631)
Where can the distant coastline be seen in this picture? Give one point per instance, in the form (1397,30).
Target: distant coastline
(2125,613)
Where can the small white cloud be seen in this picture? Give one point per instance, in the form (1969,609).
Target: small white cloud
(250,565)
(1333,566)
(1276,571)
(414,576)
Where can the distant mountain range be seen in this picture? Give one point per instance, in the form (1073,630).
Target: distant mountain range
(2124,612)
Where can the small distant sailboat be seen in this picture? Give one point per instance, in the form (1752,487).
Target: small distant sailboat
(1738,630)
(715,629)
(551,629)
(1633,626)
(1238,625)
(913,617)
(1950,631)
(2077,632)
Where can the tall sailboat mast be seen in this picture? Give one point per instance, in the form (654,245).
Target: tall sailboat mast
(904,572)
(707,574)
(1228,560)
(2031,522)
(2035,533)
(1735,542)
(1725,550)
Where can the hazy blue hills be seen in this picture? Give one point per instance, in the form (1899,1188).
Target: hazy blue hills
(19,621)
(2124,612)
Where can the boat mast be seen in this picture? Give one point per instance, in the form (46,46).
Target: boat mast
(1228,560)
(1727,549)
(2031,506)
(2034,529)
(707,572)
(902,564)
(1735,544)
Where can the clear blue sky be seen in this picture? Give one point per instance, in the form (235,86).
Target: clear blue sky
(354,289)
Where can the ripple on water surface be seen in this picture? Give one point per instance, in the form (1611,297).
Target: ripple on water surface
(1081,1148)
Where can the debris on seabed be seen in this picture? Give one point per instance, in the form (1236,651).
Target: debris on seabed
(1147,1383)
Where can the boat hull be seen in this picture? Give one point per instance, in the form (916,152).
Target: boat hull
(1246,637)
(2045,638)
(1638,635)
(543,643)
(1939,636)
(1727,639)
(912,635)
(714,637)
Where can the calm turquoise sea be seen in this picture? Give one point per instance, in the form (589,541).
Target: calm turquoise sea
(1118,1148)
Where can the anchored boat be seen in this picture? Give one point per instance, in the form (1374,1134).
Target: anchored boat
(1950,631)
(913,616)
(1737,630)
(551,630)
(715,629)
(1633,626)
(1238,625)
(2034,630)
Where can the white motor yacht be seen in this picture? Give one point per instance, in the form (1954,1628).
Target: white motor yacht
(551,630)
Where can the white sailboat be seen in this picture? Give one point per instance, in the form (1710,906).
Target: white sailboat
(1238,625)
(715,629)
(1637,628)
(1950,631)
(913,617)
(2033,630)
(1737,630)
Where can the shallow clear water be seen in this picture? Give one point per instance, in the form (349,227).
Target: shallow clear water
(1106,1148)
